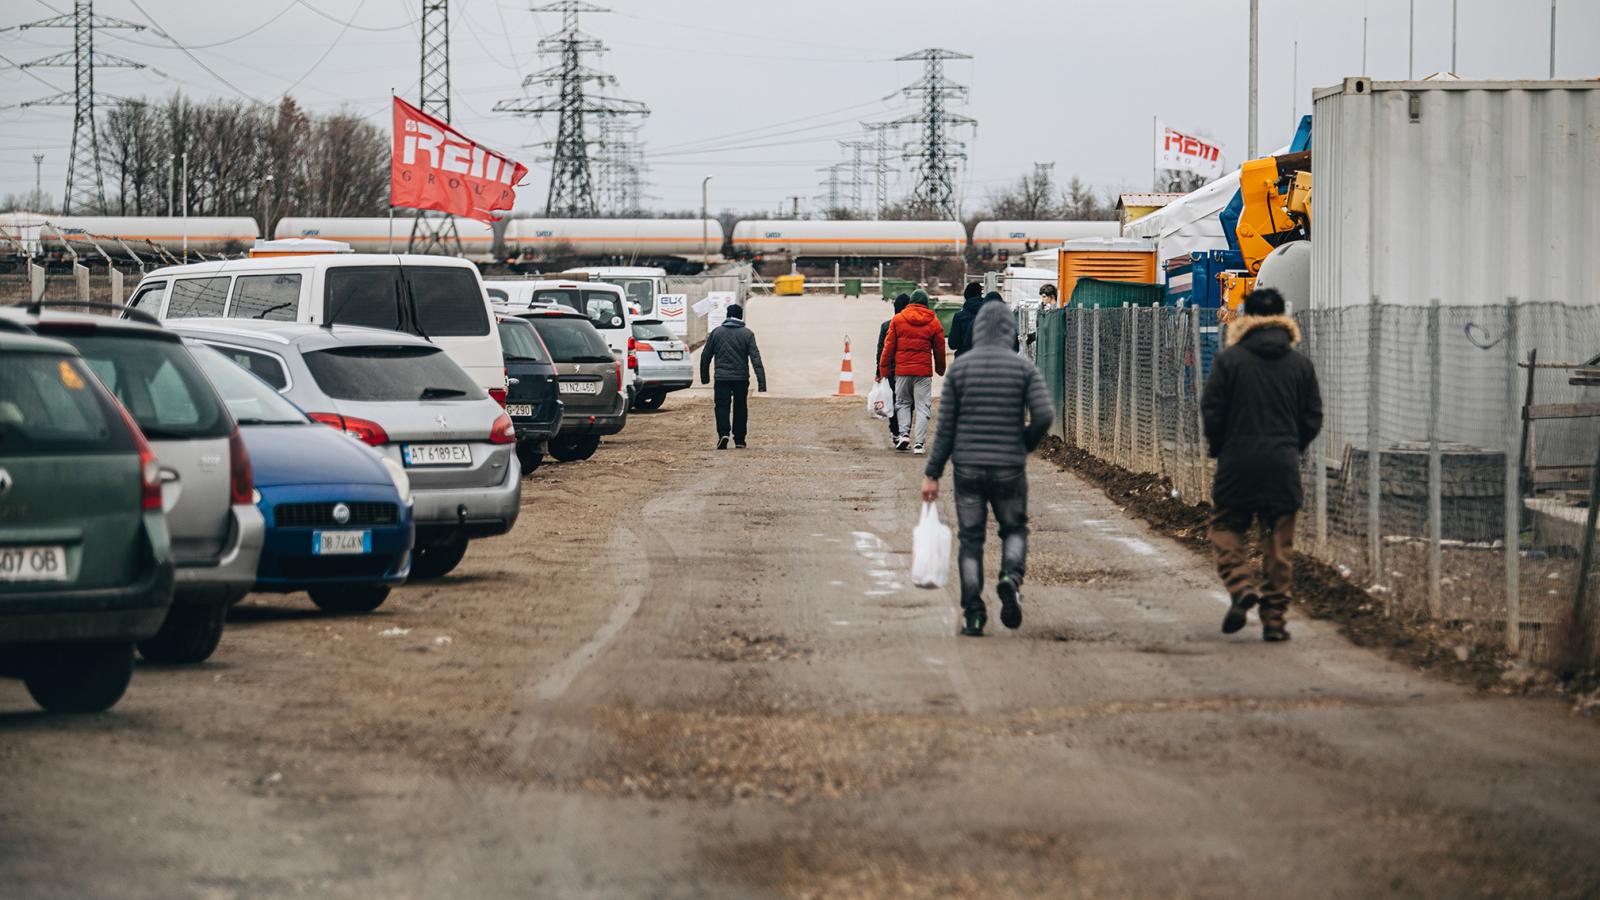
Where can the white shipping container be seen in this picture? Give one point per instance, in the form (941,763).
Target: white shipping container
(1468,191)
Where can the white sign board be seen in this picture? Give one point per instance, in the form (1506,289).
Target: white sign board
(1186,153)
(674,312)
(719,302)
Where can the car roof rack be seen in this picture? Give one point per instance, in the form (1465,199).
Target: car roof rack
(33,308)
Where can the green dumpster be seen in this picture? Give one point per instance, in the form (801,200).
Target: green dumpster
(946,310)
(1098,293)
(852,287)
(894,287)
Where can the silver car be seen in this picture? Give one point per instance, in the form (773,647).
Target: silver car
(662,361)
(404,397)
(207,485)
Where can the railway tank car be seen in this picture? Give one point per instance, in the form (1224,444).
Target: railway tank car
(1003,240)
(828,238)
(371,234)
(42,233)
(628,240)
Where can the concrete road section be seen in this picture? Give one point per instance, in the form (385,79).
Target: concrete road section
(691,673)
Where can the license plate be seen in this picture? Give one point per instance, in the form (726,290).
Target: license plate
(580,387)
(437,455)
(33,564)
(340,543)
(672,354)
(519,409)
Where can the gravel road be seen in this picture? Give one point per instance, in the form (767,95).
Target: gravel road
(698,674)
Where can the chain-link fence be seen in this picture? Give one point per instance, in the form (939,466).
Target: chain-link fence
(1454,472)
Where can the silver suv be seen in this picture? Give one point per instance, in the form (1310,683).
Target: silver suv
(407,399)
(207,485)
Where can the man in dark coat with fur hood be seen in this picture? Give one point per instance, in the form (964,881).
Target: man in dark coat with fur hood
(1262,409)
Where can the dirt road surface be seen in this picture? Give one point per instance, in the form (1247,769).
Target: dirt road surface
(691,673)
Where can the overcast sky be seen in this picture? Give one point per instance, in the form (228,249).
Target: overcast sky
(756,94)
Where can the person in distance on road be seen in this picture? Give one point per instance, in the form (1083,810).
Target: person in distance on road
(1262,408)
(961,322)
(900,304)
(733,346)
(913,349)
(994,410)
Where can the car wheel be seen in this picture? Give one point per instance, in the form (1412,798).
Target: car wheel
(650,401)
(566,449)
(350,598)
(530,456)
(438,560)
(189,635)
(585,446)
(86,679)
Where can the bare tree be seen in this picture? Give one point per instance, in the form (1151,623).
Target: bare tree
(1031,197)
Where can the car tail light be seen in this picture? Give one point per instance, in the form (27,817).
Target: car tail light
(369,433)
(619,376)
(633,355)
(503,431)
(241,481)
(499,395)
(633,343)
(646,346)
(149,466)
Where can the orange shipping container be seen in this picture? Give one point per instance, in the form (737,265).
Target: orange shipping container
(1113,259)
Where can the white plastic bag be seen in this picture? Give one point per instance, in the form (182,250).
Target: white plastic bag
(880,400)
(930,550)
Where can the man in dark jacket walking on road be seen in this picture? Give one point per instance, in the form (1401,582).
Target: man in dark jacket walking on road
(1262,409)
(900,303)
(913,349)
(733,346)
(993,412)
(961,322)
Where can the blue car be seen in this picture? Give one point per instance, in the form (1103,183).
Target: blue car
(338,516)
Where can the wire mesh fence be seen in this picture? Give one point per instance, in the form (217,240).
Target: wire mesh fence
(1454,472)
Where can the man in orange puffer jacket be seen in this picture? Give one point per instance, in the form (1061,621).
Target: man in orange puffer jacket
(913,350)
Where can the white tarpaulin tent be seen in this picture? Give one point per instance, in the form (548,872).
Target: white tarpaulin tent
(1189,223)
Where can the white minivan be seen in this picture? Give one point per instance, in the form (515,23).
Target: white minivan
(439,298)
(605,305)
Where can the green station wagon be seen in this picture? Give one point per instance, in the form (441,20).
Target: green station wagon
(86,566)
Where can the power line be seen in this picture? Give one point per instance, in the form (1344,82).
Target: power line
(352,22)
(195,59)
(232,40)
(936,151)
(336,39)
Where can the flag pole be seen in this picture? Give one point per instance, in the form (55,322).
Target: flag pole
(1155,147)
(391,180)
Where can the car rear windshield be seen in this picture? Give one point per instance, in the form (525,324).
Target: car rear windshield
(652,331)
(387,374)
(641,292)
(432,301)
(51,404)
(520,343)
(572,340)
(160,384)
(251,400)
(603,308)
(275,298)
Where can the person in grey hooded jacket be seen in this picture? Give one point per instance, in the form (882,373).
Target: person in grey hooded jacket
(994,410)
(733,346)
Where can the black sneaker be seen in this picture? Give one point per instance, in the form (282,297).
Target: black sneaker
(1274,633)
(917,449)
(1010,602)
(722,442)
(1239,611)
(902,444)
(739,445)
(972,624)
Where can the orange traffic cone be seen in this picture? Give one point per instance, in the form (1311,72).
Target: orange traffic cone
(847,378)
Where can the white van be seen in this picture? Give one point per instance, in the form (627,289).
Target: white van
(642,284)
(605,305)
(436,297)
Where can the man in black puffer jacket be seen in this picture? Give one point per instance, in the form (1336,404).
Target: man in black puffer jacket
(994,409)
(960,338)
(1262,409)
(733,346)
(900,303)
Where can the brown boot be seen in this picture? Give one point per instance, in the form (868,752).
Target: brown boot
(1274,615)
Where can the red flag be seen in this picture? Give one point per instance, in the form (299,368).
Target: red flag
(432,166)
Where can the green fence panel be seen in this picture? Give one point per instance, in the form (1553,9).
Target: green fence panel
(1050,356)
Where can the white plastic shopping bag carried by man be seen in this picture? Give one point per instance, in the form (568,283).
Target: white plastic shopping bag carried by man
(930,550)
(880,400)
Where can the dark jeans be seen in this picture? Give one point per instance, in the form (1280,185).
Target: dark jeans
(977,489)
(894,415)
(737,395)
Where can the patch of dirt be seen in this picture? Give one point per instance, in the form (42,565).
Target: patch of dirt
(787,756)
(1319,589)
(738,646)
(1051,573)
